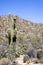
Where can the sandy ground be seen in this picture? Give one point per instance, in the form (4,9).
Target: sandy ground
(35,64)
(20,61)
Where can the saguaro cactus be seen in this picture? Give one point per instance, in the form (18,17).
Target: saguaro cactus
(12,36)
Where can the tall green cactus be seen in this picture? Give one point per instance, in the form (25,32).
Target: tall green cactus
(11,33)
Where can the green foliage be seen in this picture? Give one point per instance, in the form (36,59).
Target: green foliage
(17,54)
(2,40)
(40,54)
(28,61)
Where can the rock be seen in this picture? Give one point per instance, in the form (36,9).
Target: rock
(5,61)
(14,63)
(26,58)
(41,61)
(35,60)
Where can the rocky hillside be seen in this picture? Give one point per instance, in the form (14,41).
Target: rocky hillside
(19,36)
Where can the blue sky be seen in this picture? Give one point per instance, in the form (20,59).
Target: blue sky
(28,9)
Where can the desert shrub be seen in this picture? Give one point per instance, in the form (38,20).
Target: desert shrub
(40,54)
(26,58)
(3,51)
(28,61)
(35,41)
(17,54)
(31,53)
(2,54)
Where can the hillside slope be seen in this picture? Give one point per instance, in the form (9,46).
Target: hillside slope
(17,36)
